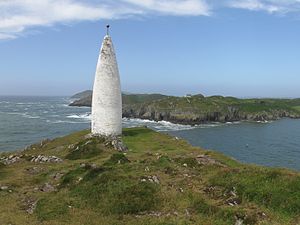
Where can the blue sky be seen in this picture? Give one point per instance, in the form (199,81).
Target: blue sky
(243,48)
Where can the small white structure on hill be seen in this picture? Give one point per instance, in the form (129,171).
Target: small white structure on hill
(107,98)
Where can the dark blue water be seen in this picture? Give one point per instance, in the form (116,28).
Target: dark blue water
(275,144)
(27,120)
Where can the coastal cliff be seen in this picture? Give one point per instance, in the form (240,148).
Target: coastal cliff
(198,109)
(79,179)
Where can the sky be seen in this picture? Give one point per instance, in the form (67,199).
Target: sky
(242,48)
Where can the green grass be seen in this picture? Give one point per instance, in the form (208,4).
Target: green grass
(112,192)
(141,98)
(52,207)
(117,158)
(102,186)
(86,149)
(297,108)
(268,187)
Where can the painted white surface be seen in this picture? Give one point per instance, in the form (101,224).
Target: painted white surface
(107,99)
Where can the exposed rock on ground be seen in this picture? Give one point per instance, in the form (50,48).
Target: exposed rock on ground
(206,160)
(34,170)
(57,176)
(151,179)
(47,188)
(3,188)
(118,144)
(10,159)
(46,159)
(29,205)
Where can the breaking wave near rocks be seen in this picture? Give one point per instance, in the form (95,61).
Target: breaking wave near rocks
(135,122)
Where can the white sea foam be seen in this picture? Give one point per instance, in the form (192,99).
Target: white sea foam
(131,122)
(25,115)
(31,117)
(235,122)
(86,116)
(264,121)
(63,121)
(157,125)
(17,113)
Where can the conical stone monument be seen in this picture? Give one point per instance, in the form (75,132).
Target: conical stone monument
(107,98)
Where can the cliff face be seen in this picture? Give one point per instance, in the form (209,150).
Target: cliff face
(85,101)
(198,109)
(231,114)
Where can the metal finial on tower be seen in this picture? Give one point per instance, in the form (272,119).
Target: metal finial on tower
(107,29)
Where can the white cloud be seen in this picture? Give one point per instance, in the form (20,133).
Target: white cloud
(16,16)
(270,6)
(255,5)
(173,7)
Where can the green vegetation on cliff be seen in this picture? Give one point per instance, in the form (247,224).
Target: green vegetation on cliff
(160,180)
(85,98)
(198,109)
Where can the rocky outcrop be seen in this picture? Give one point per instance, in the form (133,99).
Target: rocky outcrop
(37,159)
(45,159)
(83,102)
(10,159)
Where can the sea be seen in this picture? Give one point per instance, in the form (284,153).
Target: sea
(28,120)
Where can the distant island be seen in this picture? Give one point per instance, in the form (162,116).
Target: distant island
(198,109)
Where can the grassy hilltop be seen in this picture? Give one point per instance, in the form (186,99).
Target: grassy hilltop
(161,180)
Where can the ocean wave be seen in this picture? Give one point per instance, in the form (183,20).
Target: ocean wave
(55,115)
(156,125)
(232,123)
(209,125)
(31,117)
(264,121)
(86,116)
(63,121)
(24,115)
(66,105)
(16,113)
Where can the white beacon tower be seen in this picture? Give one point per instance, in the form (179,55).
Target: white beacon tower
(107,98)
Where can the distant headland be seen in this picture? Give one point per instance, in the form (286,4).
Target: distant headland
(198,109)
